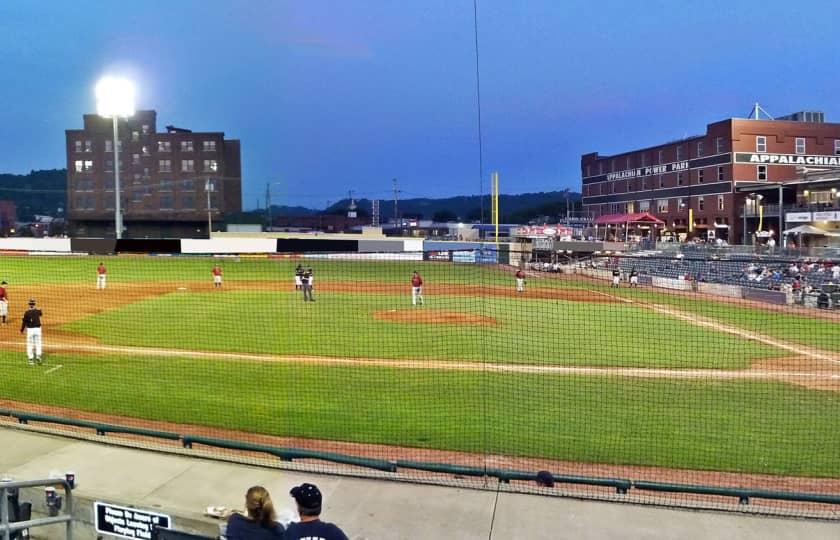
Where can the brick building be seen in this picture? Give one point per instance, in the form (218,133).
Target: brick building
(162,178)
(703,185)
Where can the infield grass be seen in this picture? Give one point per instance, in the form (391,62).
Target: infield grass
(755,427)
(343,324)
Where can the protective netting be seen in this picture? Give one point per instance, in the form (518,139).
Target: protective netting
(715,373)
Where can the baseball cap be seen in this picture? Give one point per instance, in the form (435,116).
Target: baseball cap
(31,301)
(307,495)
(3,283)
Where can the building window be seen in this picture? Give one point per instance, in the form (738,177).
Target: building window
(588,171)
(188,184)
(135,159)
(721,176)
(644,183)
(211,165)
(761,143)
(137,177)
(186,146)
(164,146)
(78,145)
(109,202)
(600,167)
(109,145)
(800,145)
(661,181)
(700,149)
(837,147)
(210,146)
(146,151)
(83,165)
(679,153)
(679,178)
(762,172)
(612,165)
(166,184)
(119,146)
(629,162)
(643,160)
(88,146)
(166,202)
(644,206)
(719,145)
(145,129)
(660,156)
(187,165)
(700,176)
(612,187)
(662,206)
(165,165)
(136,195)
(721,205)
(109,165)
(601,189)
(701,204)
(680,204)
(135,136)
(188,202)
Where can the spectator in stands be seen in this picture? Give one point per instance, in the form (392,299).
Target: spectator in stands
(835,272)
(260,522)
(308,499)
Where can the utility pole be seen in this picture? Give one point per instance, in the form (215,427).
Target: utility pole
(209,188)
(268,205)
(396,201)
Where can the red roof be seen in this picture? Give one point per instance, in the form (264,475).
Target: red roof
(639,217)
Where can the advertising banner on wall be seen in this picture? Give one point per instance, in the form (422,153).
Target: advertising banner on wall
(463,256)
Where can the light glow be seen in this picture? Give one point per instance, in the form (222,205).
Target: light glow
(115,97)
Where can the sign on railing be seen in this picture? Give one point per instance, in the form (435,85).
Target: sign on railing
(127,522)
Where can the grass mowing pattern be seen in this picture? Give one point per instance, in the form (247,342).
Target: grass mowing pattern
(697,425)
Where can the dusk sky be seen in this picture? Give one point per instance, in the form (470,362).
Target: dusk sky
(328,96)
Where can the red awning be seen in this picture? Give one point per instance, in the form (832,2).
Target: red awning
(639,217)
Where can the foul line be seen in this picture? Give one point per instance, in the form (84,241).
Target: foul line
(56,368)
(698,320)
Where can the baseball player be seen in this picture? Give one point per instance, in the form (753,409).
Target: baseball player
(101,275)
(520,281)
(616,279)
(31,323)
(298,278)
(634,278)
(4,302)
(306,285)
(217,276)
(416,289)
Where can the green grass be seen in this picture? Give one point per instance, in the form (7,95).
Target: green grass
(342,324)
(751,427)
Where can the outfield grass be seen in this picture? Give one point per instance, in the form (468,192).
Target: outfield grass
(342,324)
(755,427)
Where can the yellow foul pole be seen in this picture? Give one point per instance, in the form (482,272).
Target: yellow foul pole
(495,183)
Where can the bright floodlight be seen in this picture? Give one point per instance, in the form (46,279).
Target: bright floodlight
(115,97)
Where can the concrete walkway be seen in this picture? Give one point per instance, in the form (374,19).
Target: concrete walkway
(184,486)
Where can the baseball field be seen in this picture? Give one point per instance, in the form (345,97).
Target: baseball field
(571,373)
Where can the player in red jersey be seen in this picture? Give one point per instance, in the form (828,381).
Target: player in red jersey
(4,302)
(416,289)
(217,276)
(520,281)
(101,276)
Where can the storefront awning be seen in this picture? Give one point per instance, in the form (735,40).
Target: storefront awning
(639,217)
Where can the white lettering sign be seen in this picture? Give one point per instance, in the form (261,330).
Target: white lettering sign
(127,522)
(788,159)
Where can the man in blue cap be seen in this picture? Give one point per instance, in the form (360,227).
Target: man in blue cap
(308,499)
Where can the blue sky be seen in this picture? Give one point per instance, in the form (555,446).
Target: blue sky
(328,96)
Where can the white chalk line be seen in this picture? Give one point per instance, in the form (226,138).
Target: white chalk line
(644,373)
(56,368)
(697,320)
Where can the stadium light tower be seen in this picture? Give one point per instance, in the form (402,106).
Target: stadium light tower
(115,98)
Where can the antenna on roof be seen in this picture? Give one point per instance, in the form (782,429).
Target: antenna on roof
(755,114)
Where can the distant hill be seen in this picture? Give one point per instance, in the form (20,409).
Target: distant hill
(513,208)
(39,192)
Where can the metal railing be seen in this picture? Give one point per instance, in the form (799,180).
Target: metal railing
(7,527)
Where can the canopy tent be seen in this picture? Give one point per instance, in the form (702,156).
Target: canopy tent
(809,229)
(639,217)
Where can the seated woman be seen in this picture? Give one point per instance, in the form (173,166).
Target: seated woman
(260,522)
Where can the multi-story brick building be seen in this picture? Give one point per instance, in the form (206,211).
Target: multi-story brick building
(703,185)
(163,178)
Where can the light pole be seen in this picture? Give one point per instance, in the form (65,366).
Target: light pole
(209,188)
(115,98)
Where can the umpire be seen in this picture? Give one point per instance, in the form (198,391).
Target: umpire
(32,324)
(306,282)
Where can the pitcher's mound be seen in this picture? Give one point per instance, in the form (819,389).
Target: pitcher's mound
(432,316)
